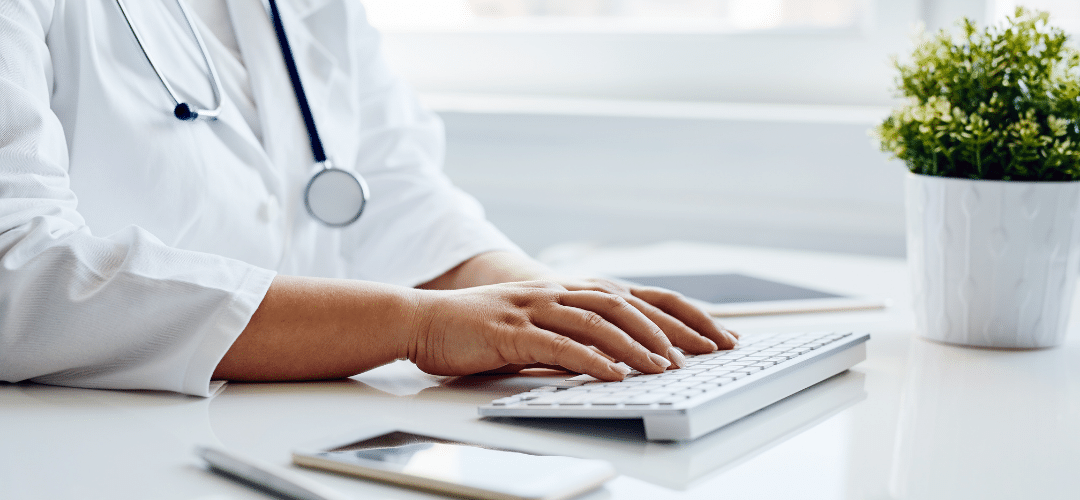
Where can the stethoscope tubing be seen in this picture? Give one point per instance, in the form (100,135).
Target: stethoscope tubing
(181,110)
(298,87)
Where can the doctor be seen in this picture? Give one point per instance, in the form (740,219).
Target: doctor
(139,250)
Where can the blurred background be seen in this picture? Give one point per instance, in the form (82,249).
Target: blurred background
(619,122)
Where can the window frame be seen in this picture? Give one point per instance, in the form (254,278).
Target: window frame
(828,67)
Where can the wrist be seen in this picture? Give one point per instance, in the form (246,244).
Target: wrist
(505,267)
(413,320)
(488,269)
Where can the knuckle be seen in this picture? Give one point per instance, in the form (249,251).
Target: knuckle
(543,285)
(603,285)
(593,320)
(664,298)
(613,287)
(534,297)
(614,301)
(560,346)
(513,319)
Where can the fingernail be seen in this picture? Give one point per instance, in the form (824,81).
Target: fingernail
(621,368)
(676,357)
(713,344)
(734,339)
(659,360)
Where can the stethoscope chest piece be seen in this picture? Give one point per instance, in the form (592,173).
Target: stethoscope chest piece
(335,197)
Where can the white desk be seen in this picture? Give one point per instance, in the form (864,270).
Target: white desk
(916,420)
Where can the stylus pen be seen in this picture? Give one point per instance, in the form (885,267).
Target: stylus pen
(266,476)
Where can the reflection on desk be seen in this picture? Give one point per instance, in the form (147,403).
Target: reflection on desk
(983,423)
(683,465)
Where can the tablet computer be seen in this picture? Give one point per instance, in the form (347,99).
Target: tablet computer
(734,294)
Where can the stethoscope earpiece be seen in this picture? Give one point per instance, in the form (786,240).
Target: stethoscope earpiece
(184,112)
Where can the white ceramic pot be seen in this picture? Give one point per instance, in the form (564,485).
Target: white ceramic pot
(993,263)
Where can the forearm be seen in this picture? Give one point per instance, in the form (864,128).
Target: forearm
(488,269)
(313,328)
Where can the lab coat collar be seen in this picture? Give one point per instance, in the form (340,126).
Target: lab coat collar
(284,135)
(232,124)
(306,7)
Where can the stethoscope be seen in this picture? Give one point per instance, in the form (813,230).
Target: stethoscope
(333,196)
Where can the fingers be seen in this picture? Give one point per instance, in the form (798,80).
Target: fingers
(685,324)
(540,346)
(681,335)
(683,312)
(619,313)
(591,329)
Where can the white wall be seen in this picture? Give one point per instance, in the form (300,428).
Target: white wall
(796,177)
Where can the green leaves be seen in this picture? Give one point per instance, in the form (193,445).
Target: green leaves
(1001,103)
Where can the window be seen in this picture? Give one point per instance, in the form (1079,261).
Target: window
(1063,13)
(614,15)
(755,51)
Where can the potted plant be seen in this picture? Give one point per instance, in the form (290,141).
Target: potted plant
(991,135)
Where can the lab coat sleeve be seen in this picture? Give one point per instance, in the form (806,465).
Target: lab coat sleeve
(418,224)
(122,311)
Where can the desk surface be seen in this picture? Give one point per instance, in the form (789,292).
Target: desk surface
(916,420)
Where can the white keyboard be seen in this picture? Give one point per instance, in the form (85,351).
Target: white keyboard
(713,390)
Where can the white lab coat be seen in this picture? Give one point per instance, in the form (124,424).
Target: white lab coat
(134,247)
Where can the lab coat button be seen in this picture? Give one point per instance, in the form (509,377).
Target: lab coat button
(270,208)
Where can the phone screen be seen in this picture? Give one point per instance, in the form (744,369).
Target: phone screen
(520,474)
(415,453)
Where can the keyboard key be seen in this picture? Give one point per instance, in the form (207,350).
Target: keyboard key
(730,355)
(576,400)
(673,398)
(646,399)
(697,379)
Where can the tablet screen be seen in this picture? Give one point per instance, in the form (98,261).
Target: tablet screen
(730,288)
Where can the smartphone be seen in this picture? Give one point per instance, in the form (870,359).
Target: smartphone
(455,467)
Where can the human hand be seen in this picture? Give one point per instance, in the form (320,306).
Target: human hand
(484,328)
(685,324)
